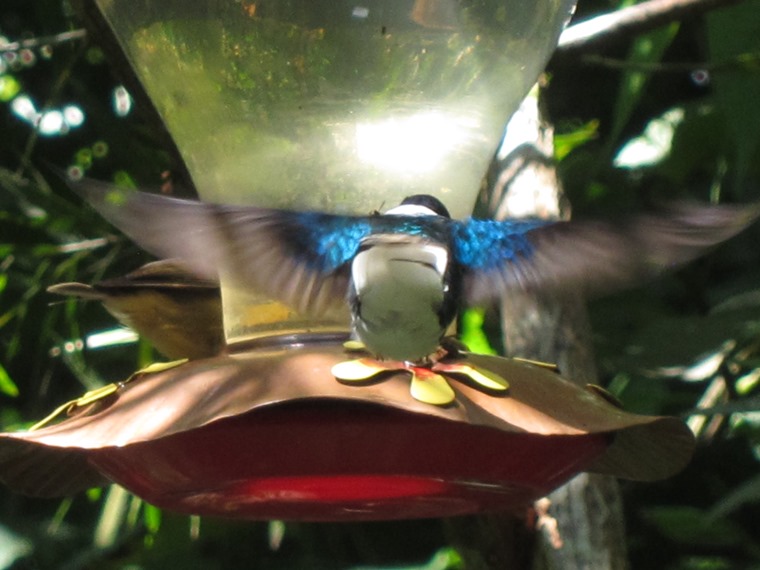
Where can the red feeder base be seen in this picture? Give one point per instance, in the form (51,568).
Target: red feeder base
(333,461)
(272,435)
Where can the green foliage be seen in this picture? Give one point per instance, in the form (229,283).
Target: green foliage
(565,143)
(734,33)
(7,386)
(691,339)
(471,331)
(645,49)
(692,526)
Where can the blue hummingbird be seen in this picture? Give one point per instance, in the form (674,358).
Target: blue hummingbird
(406,273)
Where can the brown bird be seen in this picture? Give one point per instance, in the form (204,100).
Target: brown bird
(178,313)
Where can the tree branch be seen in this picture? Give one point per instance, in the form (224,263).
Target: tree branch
(745,62)
(631,21)
(64,37)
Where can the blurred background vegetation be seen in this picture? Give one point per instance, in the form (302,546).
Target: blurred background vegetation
(670,114)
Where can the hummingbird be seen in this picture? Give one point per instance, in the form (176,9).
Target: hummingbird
(405,274)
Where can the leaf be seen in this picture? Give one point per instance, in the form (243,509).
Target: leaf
(445,559)
(152,518)
(732,33)
(654,144)
(9,87)
(565,143)
(7,386)
(471,331)
(699,142)
(748,492)
(648,48)
(693,526)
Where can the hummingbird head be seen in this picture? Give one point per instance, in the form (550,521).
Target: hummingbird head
(420,205)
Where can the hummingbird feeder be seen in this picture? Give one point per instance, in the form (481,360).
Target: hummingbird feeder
(337,106)
(270,434)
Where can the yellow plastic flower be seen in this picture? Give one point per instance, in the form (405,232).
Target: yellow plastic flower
(429,383)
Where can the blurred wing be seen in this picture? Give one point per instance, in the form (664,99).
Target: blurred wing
(299,258)
(595,257)
(165,274)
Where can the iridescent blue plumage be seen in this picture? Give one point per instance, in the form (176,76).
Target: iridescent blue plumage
(489,244)
(328,241)
(404,274)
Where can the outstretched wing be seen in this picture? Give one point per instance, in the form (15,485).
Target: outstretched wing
(299,258)
(591,256)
